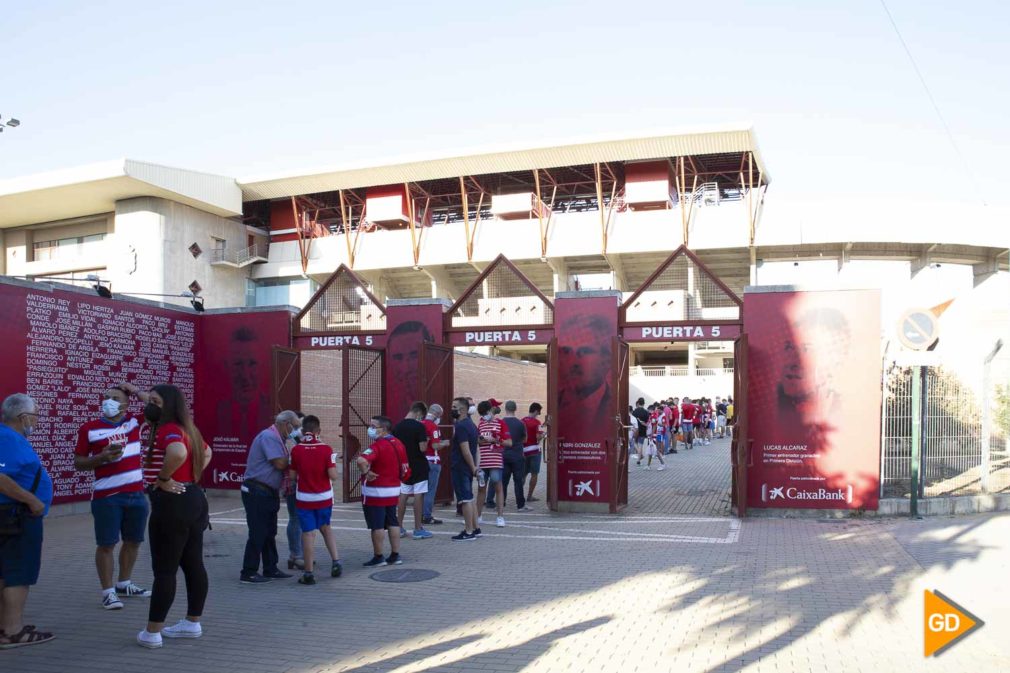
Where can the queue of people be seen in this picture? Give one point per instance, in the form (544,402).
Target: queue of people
(660,428)
(147,468)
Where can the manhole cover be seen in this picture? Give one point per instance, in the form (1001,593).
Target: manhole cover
(408,575)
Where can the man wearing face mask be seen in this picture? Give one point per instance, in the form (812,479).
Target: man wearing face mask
(435,444)
(110,447)
(264,473)
(25,485)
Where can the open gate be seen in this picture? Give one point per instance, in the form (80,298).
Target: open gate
(286,388)
(437,386)
(740,446)
(551,444)
(619,449)
(363,386)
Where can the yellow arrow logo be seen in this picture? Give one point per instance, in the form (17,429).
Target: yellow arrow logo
(945,623)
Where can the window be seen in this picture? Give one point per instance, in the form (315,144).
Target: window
(281,292)
(218,246)
(66,248)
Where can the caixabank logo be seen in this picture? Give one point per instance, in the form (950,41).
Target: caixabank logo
(227,477)
(783,494)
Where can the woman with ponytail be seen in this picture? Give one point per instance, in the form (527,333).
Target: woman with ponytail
(175,459)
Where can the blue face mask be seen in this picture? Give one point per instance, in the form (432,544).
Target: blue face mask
(373,433)
(295,434)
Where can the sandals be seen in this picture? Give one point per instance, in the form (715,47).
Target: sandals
(26,636)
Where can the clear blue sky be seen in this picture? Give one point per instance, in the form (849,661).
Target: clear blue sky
(243,88)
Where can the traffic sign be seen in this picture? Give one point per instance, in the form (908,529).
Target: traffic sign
(918,329)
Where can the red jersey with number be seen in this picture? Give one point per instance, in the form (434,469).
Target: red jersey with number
(123,475)
(532,436)
(497,432)
(387,457)
(311,460)
(167,434)
(434,435)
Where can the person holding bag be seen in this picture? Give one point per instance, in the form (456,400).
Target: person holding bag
(176,457)
(26,491)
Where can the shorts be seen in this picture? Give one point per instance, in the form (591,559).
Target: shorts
(121,513)
(21,555)
(314,519)
(462,484)
(493,475)
(419,488)
(721,421)
(533,463)
(640,441)
(380,517)
(686,428)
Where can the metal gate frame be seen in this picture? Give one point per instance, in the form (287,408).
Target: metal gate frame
(619,452)
(371,362)
(740,452)
(437,372)
(551,443)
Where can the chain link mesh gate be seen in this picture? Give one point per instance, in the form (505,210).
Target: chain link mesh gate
(363,386)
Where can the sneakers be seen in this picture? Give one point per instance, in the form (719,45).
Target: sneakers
(480,518)
(377,560)
(394,560)
(253,579)
(432,521)
(421,534)
(151,641)
(184,629)
(131,589)
(403,532)
(463,537)
(110,601)
(525,508)
(336,570)
(477,533)
(277,575)
(661,468)
(307,578)
(500,522)
(532,499)
(647,467)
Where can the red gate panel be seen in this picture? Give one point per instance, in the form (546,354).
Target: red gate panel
(437,387)
(363,382)
(286,391)
(740,446)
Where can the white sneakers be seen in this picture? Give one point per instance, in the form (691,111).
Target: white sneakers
(661,468)
(184,629)
(110,601)
(480,519)
(500,522)
(151,641)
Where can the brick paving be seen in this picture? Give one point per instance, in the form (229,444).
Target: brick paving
(694,482)
(654,589)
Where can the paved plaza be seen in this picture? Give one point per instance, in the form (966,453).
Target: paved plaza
(670,585)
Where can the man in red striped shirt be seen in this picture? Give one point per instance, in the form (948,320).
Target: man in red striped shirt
(492,438)
(110,446)
(383,464)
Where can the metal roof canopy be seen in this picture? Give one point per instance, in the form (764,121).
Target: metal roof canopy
(95,189)
(732,141)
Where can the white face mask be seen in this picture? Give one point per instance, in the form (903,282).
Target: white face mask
(373,433)
(472,410)
(488,416)
(110,408)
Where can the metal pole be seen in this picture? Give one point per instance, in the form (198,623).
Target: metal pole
(913,510)
(987,388)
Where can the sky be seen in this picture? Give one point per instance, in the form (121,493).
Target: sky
(252,89)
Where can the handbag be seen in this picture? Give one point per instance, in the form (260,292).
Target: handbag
(12,515)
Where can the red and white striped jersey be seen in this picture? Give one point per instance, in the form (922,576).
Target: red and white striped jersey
(123,475)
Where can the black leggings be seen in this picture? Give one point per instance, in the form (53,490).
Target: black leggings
(176,535)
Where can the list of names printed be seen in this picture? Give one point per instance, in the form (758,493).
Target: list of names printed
(76,351)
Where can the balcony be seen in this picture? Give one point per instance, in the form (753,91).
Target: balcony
(238,259)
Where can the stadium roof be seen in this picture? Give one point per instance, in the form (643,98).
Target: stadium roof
(94,189)
(727,141)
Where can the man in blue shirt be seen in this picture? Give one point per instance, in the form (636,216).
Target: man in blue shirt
(264,472)
(463,466)
(23,480)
